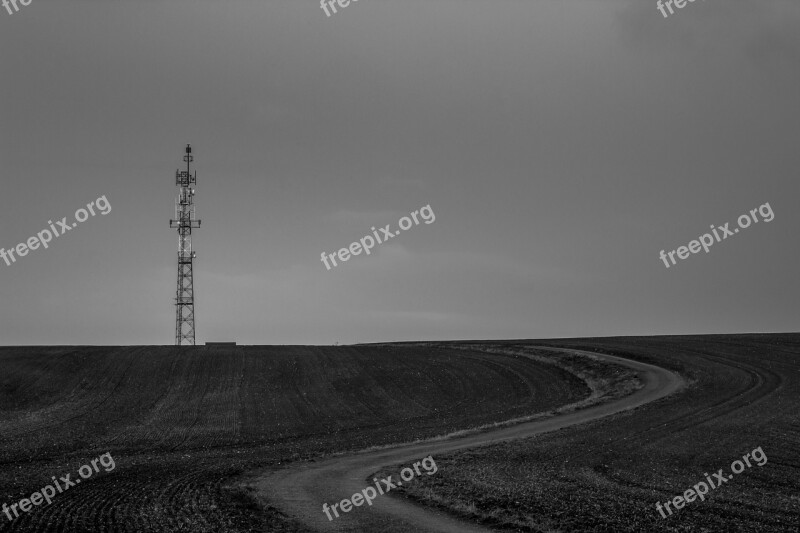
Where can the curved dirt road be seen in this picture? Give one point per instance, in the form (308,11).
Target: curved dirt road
(300,490)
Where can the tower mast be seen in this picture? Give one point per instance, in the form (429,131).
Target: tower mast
(184,222)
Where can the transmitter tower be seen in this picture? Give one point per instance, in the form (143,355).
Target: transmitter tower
(184,221)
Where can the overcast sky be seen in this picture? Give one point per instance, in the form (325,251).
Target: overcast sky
(561,145)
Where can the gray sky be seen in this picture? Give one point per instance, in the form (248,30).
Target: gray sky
(560,144)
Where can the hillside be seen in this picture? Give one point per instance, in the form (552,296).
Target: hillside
(182,422)
(607,475)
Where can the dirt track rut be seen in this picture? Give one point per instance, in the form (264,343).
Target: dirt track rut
(300,490)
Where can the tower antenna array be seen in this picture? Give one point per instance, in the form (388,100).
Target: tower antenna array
(184,222)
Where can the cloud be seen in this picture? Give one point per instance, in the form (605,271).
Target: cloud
(764,32)
(365,218)
(404,182)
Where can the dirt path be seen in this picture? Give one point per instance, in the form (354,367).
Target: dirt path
(300,490)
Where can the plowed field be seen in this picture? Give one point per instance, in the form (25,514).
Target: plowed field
(607,475)
(190,428)
(182,423)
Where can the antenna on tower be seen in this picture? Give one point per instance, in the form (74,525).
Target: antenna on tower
(184,222)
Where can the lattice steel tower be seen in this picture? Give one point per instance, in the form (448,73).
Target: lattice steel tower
(184,221)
